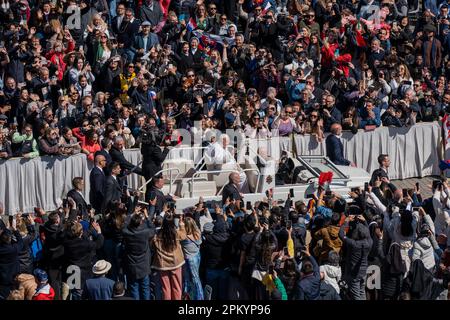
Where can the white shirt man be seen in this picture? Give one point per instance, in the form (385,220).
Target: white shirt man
(219,155)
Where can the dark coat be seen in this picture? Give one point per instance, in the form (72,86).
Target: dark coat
(136,261)
(230,190)
(356,252)
(308,287)
(378,173)
(53,248)
(9,260)
(327,292)
(153,158)
(112,192)
(25,258)
(154,16)
(335,150)
(117,156)
(214,247)
(79,200)
(80,252)
(161,199)
(97,180)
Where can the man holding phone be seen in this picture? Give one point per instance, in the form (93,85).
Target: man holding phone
(381,174)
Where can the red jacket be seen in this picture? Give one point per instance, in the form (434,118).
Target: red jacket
(45,293)
(85,144)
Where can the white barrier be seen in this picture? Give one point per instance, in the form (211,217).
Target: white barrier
(414,152)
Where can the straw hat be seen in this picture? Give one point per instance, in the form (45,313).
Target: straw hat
(101,267)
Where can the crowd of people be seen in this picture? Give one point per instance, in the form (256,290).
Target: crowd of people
(98,77)
(385,244)
(71,78)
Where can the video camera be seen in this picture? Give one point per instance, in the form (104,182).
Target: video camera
(151,136)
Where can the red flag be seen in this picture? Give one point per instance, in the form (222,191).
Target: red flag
(360,41)
(325,177)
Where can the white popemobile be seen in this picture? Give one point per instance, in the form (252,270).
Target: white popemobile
(188,176)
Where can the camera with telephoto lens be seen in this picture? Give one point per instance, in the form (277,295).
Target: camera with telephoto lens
(150,136)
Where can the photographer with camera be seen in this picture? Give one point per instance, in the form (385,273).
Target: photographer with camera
(356,244)
(152,155)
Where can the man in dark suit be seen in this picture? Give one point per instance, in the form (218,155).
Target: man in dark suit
(113,190)
(126,33)
(231,190)
(196,54)
(77,195)
(381,174)
(97,180)
(117,156)
(151,11)
(335,149)
(117,20)
(155,192)
(106,147)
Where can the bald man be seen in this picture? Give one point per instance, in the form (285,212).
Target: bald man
(335,148)
(231,190)
(97,179)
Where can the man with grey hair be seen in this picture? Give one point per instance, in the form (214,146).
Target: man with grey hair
(116,153)
(218,157)
(335,148)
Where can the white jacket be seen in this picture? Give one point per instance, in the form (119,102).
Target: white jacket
(441,210)
(423,250)
(332,275)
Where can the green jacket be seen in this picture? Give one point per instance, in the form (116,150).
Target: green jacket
(19,138)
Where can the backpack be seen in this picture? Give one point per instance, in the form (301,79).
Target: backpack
(36,249)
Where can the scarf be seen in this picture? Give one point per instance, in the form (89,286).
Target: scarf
(99,54)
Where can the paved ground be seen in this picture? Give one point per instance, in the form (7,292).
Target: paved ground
(424,184)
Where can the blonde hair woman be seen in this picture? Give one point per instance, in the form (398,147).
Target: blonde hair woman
(96,23)
(191,249)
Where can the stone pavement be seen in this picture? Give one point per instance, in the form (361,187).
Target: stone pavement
(424,184)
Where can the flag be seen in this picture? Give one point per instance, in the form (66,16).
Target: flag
(192,25)
(211,41)
(266,8)
(360,41)
(325,178)
(153,95)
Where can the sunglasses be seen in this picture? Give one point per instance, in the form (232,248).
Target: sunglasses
(212,8)
(191,75)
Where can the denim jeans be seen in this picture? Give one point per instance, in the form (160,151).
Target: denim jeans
(357,289)
(76,294)
(140,289)
(218,280)
(112,251)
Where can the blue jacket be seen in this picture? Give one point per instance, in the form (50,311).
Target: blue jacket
(98,288)
(335,117)
(139,42)
(335,151)
(365,121)
(308,288)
